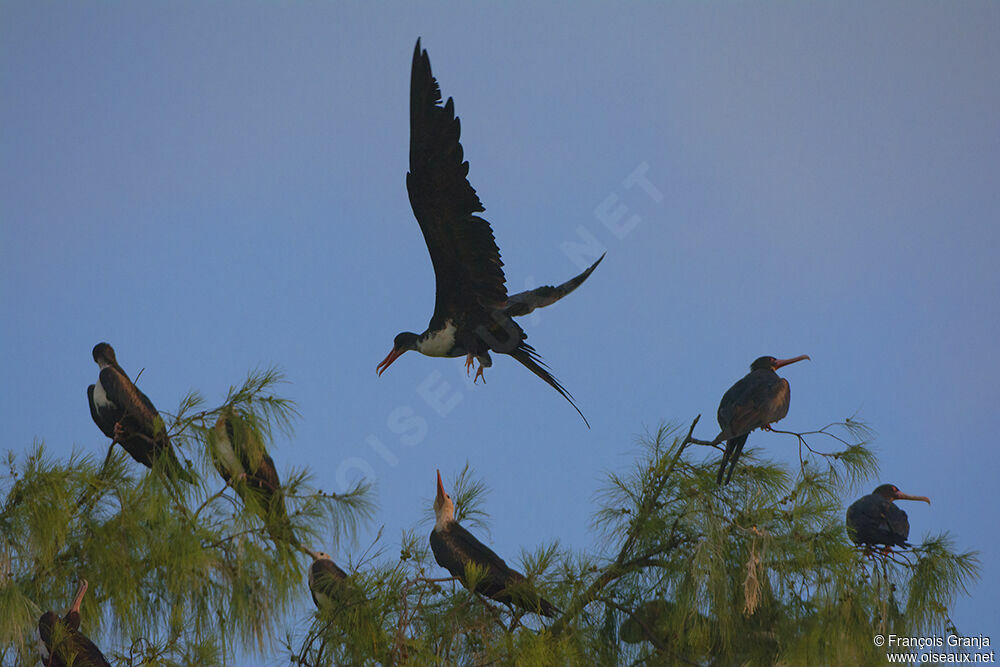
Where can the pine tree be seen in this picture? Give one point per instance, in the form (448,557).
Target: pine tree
(180,573)
(683,571)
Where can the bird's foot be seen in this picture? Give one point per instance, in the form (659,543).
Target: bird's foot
(468,363)
(119,432)
(766,427)
(479,374)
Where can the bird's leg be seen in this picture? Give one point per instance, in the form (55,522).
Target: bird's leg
(766,427)
(469,358)
(119,432)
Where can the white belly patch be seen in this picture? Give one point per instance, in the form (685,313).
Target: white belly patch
(440,343)
(101,397)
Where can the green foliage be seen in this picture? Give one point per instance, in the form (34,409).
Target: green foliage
(759,571)
(468,494)
(181,573)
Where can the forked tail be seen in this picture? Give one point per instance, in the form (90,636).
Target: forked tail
(734,447)
(529,359)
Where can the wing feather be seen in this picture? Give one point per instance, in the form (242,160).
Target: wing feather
(755,400)
(529,358)
(104,421)
(466,547)
(523,303)
(467,267)
(898,524)
(138,409)
(147,438)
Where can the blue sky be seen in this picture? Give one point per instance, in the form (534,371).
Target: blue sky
(214,188)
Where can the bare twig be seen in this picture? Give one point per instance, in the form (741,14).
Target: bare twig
(822,431)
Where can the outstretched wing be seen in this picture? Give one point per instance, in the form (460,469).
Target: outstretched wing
(525,302)
(467,267)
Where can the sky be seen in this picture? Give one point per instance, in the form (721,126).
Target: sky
(217,187)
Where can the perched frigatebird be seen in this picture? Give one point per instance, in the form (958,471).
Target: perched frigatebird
(455,549)
(238,453)
(875,519)
(326,581)
(757,400)
(128,417)
(61,642)
(473,314)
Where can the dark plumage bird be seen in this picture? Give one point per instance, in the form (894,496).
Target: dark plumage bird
(326,581)
(61,641)
(758,400)
(473,315)
(656,621)
(648,617)
(128,417)
(875,519)
(455,549)
(238,453)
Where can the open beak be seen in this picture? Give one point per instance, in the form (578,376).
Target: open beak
(784,362)
(78,600)
(391,357)
(440,495)
(905,496)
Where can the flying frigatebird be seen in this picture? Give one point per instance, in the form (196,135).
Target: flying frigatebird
(757,400)
(326,581)
(473,314)
(61,641)
(238,453)
(875,519)
(128,417)
(455,549)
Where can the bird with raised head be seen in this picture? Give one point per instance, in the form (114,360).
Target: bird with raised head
(457,550)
